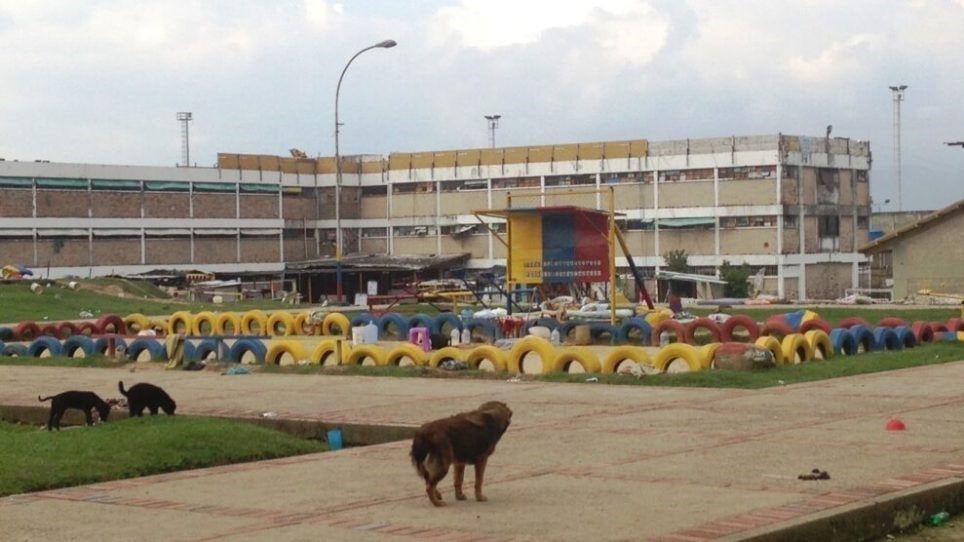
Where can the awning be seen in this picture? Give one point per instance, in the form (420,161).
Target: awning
(684,222)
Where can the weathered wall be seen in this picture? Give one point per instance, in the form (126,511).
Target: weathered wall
(16,202)
(221,249)
(931,259)
(828,280)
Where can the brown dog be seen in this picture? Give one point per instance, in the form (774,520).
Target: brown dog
(463,439)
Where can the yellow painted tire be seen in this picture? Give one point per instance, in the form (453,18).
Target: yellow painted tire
(407,350)
(618,355)
(136,322)
(531,343)
(707,351)
(205,324)
(325,353)
(796,349)
(496,356)
(773,345)
(254,323)
(289,352)
(336,323)
(161,325)
(821,347)
(228,323)
(303,324)
(442,354)
(686,352)
(565,357)
(281,324)
(358,355)
(181,322)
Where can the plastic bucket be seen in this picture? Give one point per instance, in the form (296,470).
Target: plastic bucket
(334,439)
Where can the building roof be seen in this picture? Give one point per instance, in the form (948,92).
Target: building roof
(382,262)
(914,227)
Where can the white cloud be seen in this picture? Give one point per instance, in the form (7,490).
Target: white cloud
(838,59)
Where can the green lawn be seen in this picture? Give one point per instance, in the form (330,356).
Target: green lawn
(35,460)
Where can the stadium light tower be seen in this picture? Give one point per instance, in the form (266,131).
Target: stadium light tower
(185,117)
(898,91)
(493,124)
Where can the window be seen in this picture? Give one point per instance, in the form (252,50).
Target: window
(828,226)
(374,232)
(862,222)
(374,190)
(790,221)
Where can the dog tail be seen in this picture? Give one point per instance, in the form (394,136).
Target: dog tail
(120,386)
(421,448)
(42,399)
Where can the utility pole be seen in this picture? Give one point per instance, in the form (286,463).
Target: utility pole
(184,117)
(898,91)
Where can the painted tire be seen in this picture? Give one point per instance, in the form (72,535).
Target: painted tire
(393,321)
(739,321)
(66,330)
(487,352)
(3,347)
(6,334)
(623,354)
(204,349)
(89,329)
(703,323)
(151,346)
(228,324)
(483,328)
(449,352)
(445,322)
(359,354)
(905,336)
(280,324)
(821,347)
(101,344)
(686,352)
(136,322)
(110,323)
(955,325)
(49,330)
(843,342)
(776,328)
(78,342)
(254,323)
(161,326)
(290,352)
(815,323)
(26,331)
(363,319)
(707,353)
(15,350)
(247,346)
(599,330)
(325,353)
(565,357)
(528,344)
(626,335)
(863,338)
(939,329)
(886,339)
(922,332)
(416,355)
(189,352)
(773,345)
(303,324)
(674,326)
(45,345)
(892,321)
(796,349)
(205,324)
(852,321)
(549,323)
(336,323)
(421,320)
(181,322)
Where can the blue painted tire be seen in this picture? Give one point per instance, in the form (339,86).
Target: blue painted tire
(100,345)
(3,347)
(444,318)
(394,320)
(863,338)
(7,334)
(599,330)
(421,320)
(204,349)
(82,342)
(156,349)
(550,323)
(886,339)
(627,327)
(15,350)
(188,353)
(241,346)
(843,341)
(486,328)
(906,336)
(362,319)
(45,344)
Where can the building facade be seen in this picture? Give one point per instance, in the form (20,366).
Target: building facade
(795,206)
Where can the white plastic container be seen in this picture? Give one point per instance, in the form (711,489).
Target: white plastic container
(554,337)
(466,336)
(371,333)
(357,335)
(455,338)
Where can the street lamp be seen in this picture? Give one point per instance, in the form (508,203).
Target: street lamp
(338,243)
(493,124)
(898,91)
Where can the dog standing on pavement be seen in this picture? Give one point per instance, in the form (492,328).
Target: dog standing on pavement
(468,438)
(84,401)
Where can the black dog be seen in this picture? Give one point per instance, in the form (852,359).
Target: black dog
(149,396)
(81,400)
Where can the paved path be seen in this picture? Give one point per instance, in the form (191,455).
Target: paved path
(580,461)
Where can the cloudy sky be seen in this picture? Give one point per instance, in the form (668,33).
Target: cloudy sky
(101,81)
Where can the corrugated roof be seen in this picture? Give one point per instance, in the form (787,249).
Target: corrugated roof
(382,262)
(913,227)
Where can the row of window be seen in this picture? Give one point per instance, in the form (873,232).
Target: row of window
(119,185)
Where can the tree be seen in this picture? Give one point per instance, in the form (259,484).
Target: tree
(676,261)
(736,279)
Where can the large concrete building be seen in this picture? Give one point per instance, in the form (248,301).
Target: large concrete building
(797,207)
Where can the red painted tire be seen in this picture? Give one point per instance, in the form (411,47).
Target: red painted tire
(673,326)
(892,322)
(26,331)
(49,330)
(776,328)
(955,325)
(815,323)
(703,323)
(110,323)
(938,327)
(67,329)
(736,321)
(88,328)
(922,332)
(852,321)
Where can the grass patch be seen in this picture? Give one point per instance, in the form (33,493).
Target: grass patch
(36,460)
(102,362)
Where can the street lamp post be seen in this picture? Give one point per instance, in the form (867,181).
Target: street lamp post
(493,124)
(338,241)
(898,91)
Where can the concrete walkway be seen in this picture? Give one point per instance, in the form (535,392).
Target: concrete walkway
(580,461)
